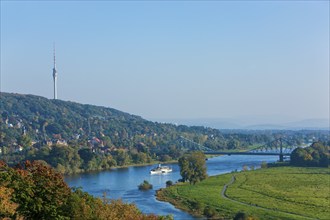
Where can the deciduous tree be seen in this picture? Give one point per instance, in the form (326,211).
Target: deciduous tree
(193,167)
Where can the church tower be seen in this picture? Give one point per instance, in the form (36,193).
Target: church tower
(55,76)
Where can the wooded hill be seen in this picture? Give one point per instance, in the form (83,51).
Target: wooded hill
(74,137)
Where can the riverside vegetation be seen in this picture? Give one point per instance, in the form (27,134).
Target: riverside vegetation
(285,192)
(33,190)
(145,185)
(193,167)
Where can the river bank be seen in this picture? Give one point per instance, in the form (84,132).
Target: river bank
(122,183)
(81,171)
(272,193)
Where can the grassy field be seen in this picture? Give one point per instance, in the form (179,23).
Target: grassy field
(272,193)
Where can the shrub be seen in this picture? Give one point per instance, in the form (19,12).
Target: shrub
(245,168)
(264,165)
(145,185)
(240,216)
(196,205)
(243,216)
(169,183)
(209,211)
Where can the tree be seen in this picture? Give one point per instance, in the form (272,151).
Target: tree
(107,141)
(315,155)
(36,191)
(233,144)
(193,167)
(40,192)
(122,157)
(86,155)
(66,156)
(24,141)
(7,207)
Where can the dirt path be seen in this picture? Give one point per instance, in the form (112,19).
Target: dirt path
(232,180)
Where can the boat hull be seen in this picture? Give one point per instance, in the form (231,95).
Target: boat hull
(161,170)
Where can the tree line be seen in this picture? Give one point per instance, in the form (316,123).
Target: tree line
(33,190)
(316,155)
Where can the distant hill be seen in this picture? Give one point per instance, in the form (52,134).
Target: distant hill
(249,124)
(218,123)
(308,124)
(319,123)
(73,137)
(30,125)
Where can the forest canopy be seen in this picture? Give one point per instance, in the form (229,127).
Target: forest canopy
(74,137)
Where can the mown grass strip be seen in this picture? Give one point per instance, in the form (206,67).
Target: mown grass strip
(281,189)
(304,192)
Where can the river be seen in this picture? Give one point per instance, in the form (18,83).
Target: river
(122,182)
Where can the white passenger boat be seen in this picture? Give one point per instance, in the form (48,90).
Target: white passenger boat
(160,169)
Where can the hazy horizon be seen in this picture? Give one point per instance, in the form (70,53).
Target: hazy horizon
(173,60)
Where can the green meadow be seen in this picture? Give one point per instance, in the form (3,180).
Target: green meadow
(272,193)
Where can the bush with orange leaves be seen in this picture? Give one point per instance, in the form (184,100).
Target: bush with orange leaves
(34,190)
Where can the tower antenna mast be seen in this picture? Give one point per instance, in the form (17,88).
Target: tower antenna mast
(55,75)
(54,55)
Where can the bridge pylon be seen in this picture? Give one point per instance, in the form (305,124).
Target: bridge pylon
(272,148)
(281,151)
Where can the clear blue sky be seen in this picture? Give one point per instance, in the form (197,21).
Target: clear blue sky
(197,59)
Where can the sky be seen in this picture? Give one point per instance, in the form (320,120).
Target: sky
(172,59)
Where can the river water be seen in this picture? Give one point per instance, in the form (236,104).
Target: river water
(122,183)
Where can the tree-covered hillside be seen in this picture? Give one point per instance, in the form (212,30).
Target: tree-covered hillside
(73,137)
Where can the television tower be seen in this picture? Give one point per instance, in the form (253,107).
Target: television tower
(55,76)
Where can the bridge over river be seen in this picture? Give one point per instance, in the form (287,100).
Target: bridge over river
(278,147)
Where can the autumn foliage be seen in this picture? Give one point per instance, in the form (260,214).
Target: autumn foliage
(316,155)
(34,190)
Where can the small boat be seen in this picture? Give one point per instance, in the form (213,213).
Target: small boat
(160,169)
